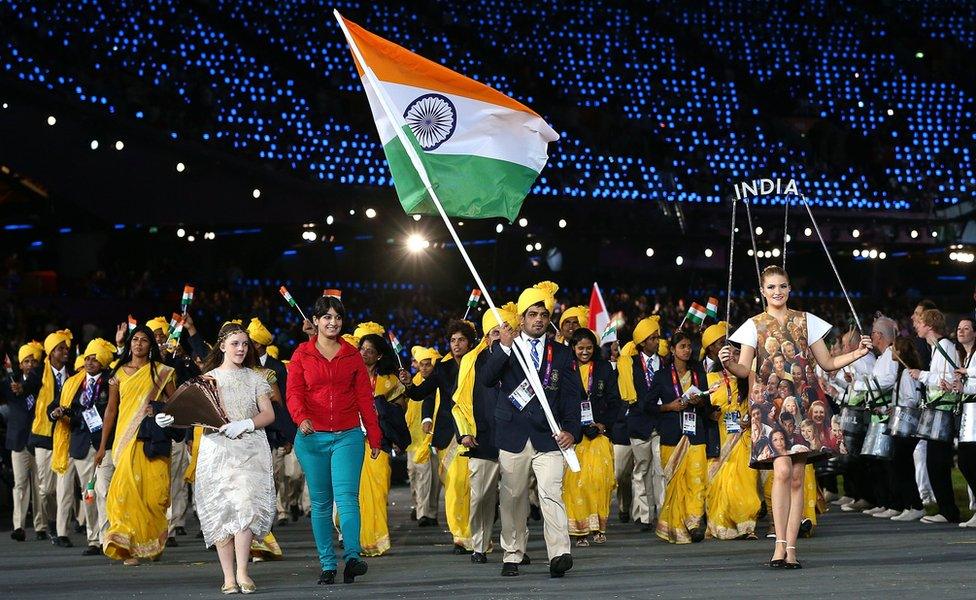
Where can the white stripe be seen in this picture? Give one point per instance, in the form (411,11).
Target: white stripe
(483,129)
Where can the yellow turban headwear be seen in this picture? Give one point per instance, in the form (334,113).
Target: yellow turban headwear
(367,328)
(79,363)
(103,350)
(158,323)
(714,333)
(259,333)
(507,312)
(646,328)
(351,339)
(272,351)
(414,351)
(582,314)
(663,348)
(51,341)
(430,353)
(33,348)
(544,291)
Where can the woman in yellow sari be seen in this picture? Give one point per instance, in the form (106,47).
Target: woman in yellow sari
(587,494)
(677,393)
(139,493)
(732,500)
(374,484)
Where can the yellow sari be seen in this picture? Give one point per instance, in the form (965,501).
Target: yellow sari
(456,479)
(139,493)
(732,500)
(685,476)
(587,493)
(374,484)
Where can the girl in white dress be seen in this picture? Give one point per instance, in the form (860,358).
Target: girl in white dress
(234,488)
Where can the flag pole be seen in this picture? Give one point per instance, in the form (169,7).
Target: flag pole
(531,375)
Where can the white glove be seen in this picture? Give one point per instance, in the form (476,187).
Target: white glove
(235,429)
(164,420)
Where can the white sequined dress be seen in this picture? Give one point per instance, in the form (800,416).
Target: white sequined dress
(234,486)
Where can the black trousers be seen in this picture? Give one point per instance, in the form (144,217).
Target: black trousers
(967,463)
(904,489)
(939,464)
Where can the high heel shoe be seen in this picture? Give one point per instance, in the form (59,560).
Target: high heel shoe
(778,563)
(792,565)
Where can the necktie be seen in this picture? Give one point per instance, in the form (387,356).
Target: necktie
(648,371)
(90,389)
(536,358)
(58,382)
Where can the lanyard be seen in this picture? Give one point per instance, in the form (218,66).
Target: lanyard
(589,379)
(545,380)
(677,383)
(648,374)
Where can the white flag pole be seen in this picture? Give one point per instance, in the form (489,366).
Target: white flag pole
(533,377)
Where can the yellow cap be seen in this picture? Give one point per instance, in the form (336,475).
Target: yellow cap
(259,333)
(544,291)
(646,328)
(714,333)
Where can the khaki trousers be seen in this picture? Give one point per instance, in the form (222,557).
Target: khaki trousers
(484,495)
(648,478)
(46,505)
(26,490)
(179,489)
(289,483)
(103,479)
(424,485)
(516,469)
(79,470)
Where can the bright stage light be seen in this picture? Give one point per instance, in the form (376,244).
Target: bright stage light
(776,252)
(808,232)
(416,217)
(856,233)
(499,228)
(416,243)
(370,213)
(119,145)
(935,234)
(538,246)
(750,252)
(191,238)
(180,167)
(528,247)
(256,193)
(562,223)
(523,222)
(759,230)
(180,232)
(649,252)
(914,233)
(857,252)
(329,220)
(873,253)
(708,252)
(51,121)
(93,145)
(679,261)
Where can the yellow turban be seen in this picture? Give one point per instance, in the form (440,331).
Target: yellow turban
(544,291)
(34,349)
(351,339)
(51,341)
(259,333)
(272,351)
(646,328)
(79,363)
(414,351)
(582,314)
(714,333)
(158,323)
(103,350)
(367,328)
(629,349)
(507,312)
(663,349)
(430,353)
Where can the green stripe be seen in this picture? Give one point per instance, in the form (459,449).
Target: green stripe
(468,186)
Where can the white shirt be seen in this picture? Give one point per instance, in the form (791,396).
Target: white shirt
(908,393)
(747,335)
(63,371)
(523,340)
(940,368)
(651,363)
(860,369)
(263,358)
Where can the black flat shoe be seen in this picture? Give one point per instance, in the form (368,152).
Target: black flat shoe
(92,551)
(79,528)
(559,565)
(623,517)
(426,522)
(509,570)
(792,565)
(62,542)
(18,535)
(413,514)
(41,535)
(777,563)
(525,560)
(478,558)
(697,534)
(460,550)
(354,568)
(327,578)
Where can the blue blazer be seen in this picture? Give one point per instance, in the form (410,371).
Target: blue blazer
(641,420)
(485,400)
(282,431)
(670,428)
(20,418)
(444,379)
(81,440)
(604,397)
(513,428)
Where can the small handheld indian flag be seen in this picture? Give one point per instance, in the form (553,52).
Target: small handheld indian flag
(397,347)
(332,293)
(187,297)
(473,301)
(175,327)
(132,323)
(711,309)
(291,301)
(696,313)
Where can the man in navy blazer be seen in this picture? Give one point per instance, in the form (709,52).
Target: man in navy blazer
(525,441)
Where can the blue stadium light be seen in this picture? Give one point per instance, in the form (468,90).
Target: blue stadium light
(17,227)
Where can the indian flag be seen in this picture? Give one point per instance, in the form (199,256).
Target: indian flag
(600,322)
(132,323)
(481,150)
(175,326)
(712,307)
(696,313)
(474,298)
(284,293)
(187,296)
(397,347)
(332,293)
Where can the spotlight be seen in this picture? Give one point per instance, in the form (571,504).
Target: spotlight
(562,223)
(6,106)
(416,217)
(750,252)
(93,145)
(890,112)
(538,246)
(679,261)
(808,232)
(708,253)
(329,220)
(256,193)
(882,255)
(789,238)
(776,252)
(873,253)
(528,247)
(352,212)
(935,234)
(914,233)
(180,167)
(312,236)
(856,233)
(499,228)
(759,230)
(180,232)
(523,222)
(51,121)
(417,243)
(119,145)
(191,238)
(649,252)
(857,252)
(370,213)
(919,54)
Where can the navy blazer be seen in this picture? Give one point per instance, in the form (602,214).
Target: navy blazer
(604,397)
(641,420)
(393,424)
(20,418)
(485,399)
(81,440)
(662,388)
(44,441)
(443,379)
(513,428)
(282,431)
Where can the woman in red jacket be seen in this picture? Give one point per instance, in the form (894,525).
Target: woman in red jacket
(330,397)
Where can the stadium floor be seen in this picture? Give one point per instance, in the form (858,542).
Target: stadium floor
(852,555)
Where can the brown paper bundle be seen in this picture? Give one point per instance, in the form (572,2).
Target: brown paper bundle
(197,403)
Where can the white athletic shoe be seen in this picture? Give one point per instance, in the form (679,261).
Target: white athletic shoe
(842,501)
(873,511)
(886,514)
(969,523)
(909,515)
(934,519)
